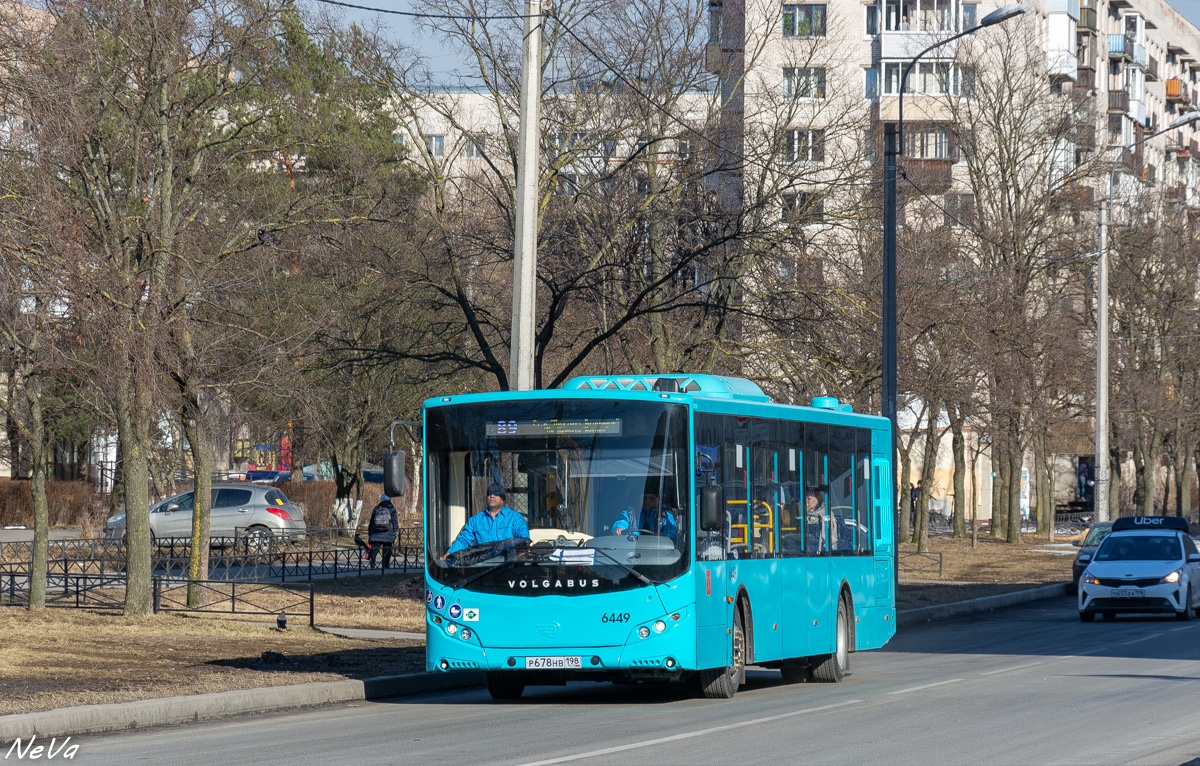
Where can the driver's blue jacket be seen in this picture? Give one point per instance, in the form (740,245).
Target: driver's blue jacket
(482,528)
(647,521)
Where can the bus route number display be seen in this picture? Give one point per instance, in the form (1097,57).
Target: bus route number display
(606,427)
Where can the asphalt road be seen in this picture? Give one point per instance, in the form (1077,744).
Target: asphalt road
(1024,685)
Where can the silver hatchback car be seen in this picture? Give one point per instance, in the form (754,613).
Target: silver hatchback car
(256,512)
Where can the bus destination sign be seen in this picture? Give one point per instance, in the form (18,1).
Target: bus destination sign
(586,427)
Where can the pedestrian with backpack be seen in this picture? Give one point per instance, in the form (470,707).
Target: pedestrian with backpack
(381,531)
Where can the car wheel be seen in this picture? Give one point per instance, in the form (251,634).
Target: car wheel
(723,683)
(504,685)
(259,540)
(1186,614)
(833,668)
(1087,616)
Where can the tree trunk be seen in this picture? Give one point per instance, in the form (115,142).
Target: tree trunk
(928,468)
(192,417)
(133,418)
(1015,464)
(905,495)
(1000,478)
(1045,494)
(958,445)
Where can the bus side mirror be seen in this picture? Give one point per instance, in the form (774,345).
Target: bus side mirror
(393,473)
(712,509)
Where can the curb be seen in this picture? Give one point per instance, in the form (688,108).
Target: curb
(94,719)
(910,617)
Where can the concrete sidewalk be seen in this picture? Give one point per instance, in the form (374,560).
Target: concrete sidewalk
(92,719)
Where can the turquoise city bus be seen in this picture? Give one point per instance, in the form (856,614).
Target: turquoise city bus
(758,533)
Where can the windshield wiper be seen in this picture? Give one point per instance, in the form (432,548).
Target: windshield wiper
(629,569)
(498,547)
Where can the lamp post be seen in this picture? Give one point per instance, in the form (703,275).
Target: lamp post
(1101,496)
(892,148)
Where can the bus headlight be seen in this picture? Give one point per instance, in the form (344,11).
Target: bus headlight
(452,629)
(644,632)
(659,626)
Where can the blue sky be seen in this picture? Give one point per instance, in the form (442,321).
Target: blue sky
(443,62)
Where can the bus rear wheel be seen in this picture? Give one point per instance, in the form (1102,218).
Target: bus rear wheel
(504,685)
(723,683)
(833,667)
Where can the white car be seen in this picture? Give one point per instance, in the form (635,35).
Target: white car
(1148,564)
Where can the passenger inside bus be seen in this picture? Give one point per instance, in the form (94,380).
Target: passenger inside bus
(814,521)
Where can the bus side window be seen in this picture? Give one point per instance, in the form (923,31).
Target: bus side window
(862,490)
(710,546)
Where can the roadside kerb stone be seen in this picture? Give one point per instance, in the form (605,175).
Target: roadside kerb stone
(94,719)
(910,617)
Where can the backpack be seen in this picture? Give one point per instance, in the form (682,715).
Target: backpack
(381,519)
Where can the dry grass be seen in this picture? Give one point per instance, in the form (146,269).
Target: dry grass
(61,658)
(993,567)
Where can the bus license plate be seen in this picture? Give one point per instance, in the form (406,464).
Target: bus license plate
(553,663)
(1128,593)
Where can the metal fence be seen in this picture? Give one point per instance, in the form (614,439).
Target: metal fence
(237,598)
(79,569)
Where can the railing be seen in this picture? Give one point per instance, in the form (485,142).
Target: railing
(1118,101)
(1087,20)
(1176,90)
(1152,68)
(232,598)
(1120,46)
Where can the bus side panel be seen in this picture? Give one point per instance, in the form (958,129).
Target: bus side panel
(794,621)
(819,596)
(859,574)
(764,585)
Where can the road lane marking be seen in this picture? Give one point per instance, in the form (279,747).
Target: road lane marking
(688,735)
(1014,667)
(927,686)
(1139,640)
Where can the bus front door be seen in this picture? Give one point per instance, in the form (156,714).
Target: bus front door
(713,612)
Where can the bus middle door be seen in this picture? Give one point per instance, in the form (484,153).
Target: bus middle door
(713,609)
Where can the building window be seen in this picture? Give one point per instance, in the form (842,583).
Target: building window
(928,142)
(919,15)
(872,20)
(684,148)
(871,83)
(804,146)
(803,82)
(803,209)
(927,78)
(960,210)
(969,16)
(436,146)
(714,24)
(804,21)
(473,148)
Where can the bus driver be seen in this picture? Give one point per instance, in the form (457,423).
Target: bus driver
(497,522)
(647,520)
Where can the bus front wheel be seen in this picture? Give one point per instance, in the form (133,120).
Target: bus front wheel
(833,667)
(723,683)
(504,685)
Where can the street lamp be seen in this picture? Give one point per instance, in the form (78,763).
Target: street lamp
(893,147)
(1101,495)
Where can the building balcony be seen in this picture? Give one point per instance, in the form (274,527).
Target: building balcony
(1087,20)
(1084,137)
(1120,47)
(1118,102)
(905,45)
(931,176)
(1085,77)
(1062,64)
(1152,69)
(1177,91)
(1139,55)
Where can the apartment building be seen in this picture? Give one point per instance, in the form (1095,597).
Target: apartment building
(1129,67)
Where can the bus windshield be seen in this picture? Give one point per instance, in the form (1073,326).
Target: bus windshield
(601,485)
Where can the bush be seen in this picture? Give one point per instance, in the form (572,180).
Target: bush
(72,503)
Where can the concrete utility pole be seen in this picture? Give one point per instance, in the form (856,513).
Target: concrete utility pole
(525,241)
